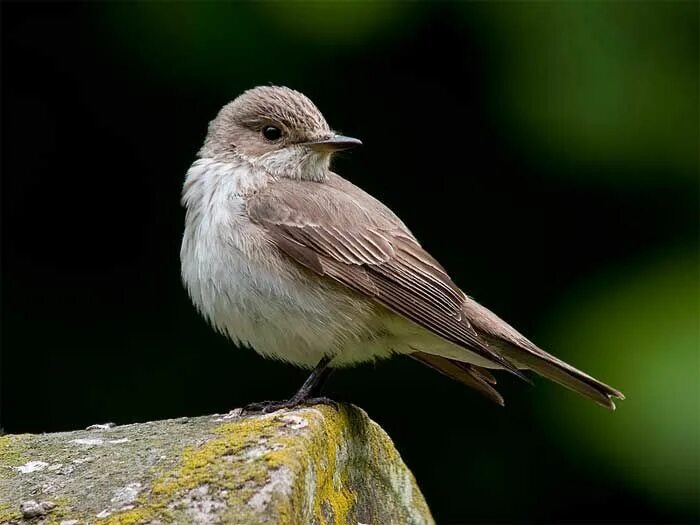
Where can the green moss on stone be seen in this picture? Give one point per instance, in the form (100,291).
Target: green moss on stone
(317,465)
(7,513)
(12,450)
(219,464)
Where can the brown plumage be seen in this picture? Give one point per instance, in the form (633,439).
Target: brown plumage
(473,376)
(338,231)
(291,259)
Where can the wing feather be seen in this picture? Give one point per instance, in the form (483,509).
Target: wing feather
(470,375)
(336,230)
(326,230)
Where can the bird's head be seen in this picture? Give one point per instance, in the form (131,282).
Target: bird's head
(278,130)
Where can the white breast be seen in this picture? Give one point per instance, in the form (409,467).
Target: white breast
(241,284)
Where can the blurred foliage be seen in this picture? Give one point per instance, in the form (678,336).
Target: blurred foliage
(604,84)
(215,41)
(331,23)
(638,328)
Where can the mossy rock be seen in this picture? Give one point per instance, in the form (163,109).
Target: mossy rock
(313,465)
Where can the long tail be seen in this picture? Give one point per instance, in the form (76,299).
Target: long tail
(560,372)
(516,348)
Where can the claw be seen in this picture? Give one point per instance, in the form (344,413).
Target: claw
(266,407)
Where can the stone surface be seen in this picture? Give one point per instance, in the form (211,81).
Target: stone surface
(313,465)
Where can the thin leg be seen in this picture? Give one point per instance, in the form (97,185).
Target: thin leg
(307,394)
(313,384)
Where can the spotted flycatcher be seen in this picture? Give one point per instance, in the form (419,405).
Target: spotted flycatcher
(283,255)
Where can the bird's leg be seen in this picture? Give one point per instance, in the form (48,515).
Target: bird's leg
(309,393)
(314,383)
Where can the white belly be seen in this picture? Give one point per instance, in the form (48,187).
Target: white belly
(248,292)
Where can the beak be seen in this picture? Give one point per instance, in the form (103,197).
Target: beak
(333,143)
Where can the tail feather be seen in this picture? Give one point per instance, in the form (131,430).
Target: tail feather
(503,338)
(481,372)
(560,372)
(470,375)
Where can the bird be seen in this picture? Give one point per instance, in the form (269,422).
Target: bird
(282,255)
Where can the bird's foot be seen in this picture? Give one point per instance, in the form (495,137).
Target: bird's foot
(321,400)
(266,407)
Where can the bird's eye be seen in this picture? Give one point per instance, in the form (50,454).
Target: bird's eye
(272,133)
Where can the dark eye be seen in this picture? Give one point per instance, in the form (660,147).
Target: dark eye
(272,133)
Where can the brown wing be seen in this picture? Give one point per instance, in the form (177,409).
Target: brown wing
(338,231)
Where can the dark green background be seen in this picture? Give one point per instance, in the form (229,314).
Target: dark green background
(546,153)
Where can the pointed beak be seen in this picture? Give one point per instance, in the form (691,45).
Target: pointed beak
(333,143)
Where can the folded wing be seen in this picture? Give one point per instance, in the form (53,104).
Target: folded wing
(338,231)
(371,252)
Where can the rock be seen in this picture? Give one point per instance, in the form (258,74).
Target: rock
(101,426)
(312,465)
(32,509)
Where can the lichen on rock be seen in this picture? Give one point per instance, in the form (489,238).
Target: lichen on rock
(312,465)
